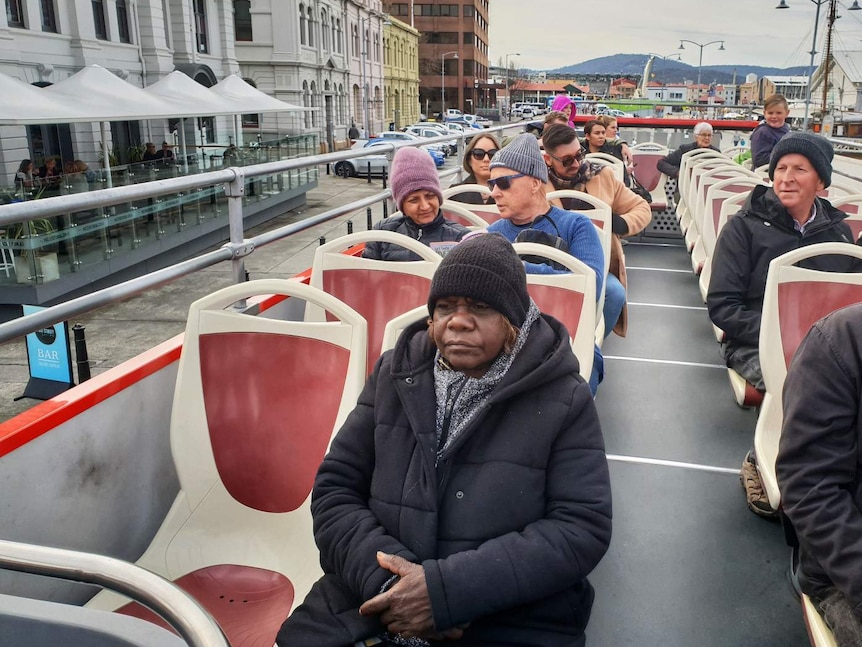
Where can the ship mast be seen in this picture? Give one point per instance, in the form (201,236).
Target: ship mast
(827,57)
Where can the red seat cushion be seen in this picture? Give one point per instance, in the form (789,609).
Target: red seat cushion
(249,604)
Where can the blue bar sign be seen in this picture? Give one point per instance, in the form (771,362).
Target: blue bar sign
(48,351)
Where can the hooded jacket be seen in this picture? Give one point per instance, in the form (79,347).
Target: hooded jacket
(507,525)
(818,467)
(763,140)
(560,102)
(438,230)
(762,231)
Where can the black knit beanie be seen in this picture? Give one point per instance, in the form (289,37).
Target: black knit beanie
(818,150)
(486,268)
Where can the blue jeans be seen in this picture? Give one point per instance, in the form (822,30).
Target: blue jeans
(615,299)
(598,372)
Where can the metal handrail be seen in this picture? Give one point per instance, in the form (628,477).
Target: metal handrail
(235,250)
(194,624)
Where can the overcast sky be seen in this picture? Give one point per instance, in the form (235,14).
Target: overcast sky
(554,33)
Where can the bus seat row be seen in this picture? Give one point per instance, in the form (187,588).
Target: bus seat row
(257,402)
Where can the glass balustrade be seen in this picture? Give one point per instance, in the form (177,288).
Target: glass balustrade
(43,250)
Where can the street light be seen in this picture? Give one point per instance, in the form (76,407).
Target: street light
(783,5)
(508,104)
(700,59)
(443,82)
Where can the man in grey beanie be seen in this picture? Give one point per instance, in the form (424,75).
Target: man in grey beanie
(519,176)
(774,220)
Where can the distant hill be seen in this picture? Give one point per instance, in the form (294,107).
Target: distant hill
(669,70)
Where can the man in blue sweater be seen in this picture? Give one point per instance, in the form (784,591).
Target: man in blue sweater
(518,178)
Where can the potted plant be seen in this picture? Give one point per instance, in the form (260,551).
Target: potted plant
(40,262)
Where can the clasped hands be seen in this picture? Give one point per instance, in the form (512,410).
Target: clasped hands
(405,608)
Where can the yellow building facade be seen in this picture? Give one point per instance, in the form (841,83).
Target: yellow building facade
(400,73)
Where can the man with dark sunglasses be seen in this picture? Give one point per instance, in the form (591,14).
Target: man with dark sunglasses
(518,179)
(567,169)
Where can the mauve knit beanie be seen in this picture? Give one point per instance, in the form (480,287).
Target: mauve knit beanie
(413,170)
(522,155)
(487,269)
(818,150)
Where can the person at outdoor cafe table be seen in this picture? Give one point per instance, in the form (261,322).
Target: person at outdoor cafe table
(166,154)
(24,176)
(150,154)
(49,172)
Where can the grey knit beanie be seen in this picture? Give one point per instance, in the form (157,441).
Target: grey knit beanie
(413,170)
(523,156)
(815,148)
(487,269)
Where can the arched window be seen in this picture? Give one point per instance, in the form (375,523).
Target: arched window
(357,104)
(376,46)
(306,103)
(355,40)
(314,104)
(342,107)
(340,35)
(302,40)
(310,27)
(336,46)
(378,103)
(324,30)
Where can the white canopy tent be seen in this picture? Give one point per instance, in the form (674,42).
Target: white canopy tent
(95,94)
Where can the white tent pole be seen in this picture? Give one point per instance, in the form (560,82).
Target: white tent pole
(106,158)
(183,145)
(236,141)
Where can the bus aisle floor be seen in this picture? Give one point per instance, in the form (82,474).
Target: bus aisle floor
(688,563)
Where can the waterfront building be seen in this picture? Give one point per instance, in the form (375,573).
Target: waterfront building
(449,30)
(400,73)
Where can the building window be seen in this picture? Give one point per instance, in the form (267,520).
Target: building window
(336,45)
(123,21)
(469,10)
(49,16)
(99,19)
(302,40)
(340,35)
(355,40)
(200,9)
(310,27)
(242,20)
(324,30)
(14,13)
(251,120)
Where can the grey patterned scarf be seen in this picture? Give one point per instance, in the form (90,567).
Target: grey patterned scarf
(586,171)
(463,396)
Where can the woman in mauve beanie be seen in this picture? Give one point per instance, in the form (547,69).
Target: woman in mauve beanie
(416,190)
(413,170)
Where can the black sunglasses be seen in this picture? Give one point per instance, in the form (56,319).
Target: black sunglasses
(504,182)
(479,154)
(566,161)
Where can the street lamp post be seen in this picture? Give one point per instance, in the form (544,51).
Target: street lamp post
(783,5)
(508,97)
(443,82)
(700,59)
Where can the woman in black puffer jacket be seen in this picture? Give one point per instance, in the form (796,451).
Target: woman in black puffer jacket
(467,496)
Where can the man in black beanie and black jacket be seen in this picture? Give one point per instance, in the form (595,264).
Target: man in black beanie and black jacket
(774,221)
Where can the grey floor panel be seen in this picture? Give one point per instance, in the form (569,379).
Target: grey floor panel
(668,334)
(662,256)
(671,412)
(670,288)
(689,565)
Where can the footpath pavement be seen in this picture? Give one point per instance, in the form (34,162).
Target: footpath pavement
(123,330)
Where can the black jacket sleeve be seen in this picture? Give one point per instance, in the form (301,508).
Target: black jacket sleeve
(548,555)
(817,466)
(347,533)
(669,164)
(728,285)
